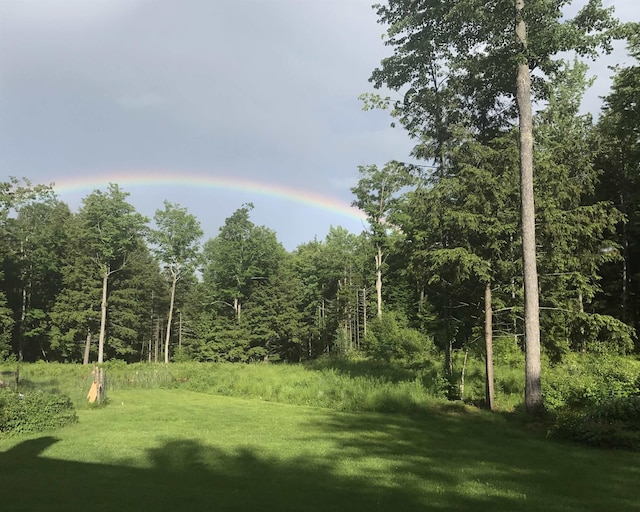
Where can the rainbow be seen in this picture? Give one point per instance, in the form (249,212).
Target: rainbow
(161,179)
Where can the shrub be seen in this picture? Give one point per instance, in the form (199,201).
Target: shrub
(391,339)
(34,412)
(583,381)
(612,424)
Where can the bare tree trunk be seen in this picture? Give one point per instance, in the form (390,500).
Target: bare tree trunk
(464,369)
(156,341)
(488,342)
(87,348)
(103,316)
(364,311)
(379,280)
(625,263)
(180,331)
(168,333)
(237,307)
(533,382)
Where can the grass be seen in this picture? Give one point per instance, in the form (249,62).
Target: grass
(175,449)
(293,384)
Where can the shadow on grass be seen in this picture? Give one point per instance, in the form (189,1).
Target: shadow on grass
(184,475)
(448,461)
(456,460)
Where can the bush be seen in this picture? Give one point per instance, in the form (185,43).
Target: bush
(583,381)
(613,424)
(34,412)
(391,339)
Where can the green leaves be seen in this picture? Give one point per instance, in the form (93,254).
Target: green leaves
(176,238)
(110,227)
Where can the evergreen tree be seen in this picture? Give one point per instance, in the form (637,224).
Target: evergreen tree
(469,63)
(619,158)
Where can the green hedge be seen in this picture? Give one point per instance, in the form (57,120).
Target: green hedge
(34,412)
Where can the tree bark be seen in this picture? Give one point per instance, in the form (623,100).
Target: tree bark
(379,280)
(87,349)
(103,316)
(533,382)
(168,333)
(488,343)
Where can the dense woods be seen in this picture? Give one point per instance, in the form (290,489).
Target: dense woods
(439,269)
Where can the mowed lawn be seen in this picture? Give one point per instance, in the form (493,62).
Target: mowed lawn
(179,450)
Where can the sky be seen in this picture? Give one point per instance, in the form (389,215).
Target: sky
(207,104)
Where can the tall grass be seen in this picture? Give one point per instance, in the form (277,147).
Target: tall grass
(292,384)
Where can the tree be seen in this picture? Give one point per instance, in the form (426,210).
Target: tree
(275,317)
(460,231)
(40,233)
(17,195)
(235,263)
(110,229)
(573,225)
(376,196)
(176,244)
(619,158)
(467,62)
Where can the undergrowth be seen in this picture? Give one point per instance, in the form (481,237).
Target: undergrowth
(34,412)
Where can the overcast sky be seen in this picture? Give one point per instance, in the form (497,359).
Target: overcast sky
(264,91)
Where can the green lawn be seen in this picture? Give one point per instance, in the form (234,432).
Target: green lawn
(178,450)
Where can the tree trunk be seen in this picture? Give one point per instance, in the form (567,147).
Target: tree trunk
(464,369)
(180,331)
(364,311)
(87,348)
(533,383)
(103,316)
(625,263)
(488,342)
(168,333)
(156,341)
(379,280)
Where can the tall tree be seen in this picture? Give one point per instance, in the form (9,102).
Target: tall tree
(110,229)
(176,244)
(619,158)
(460,232)
(469,62)
(573,226)
(16,195)
(40,230)
(235,263)
(376,195)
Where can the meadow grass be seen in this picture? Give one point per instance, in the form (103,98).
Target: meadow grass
(291,384)
(175,449)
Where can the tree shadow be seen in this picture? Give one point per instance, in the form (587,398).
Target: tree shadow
(447,461)
(491,465)
(184,475)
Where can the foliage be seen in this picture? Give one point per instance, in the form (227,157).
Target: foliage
(618,155)
(391,339)
(582,381)
(612,424)
(34,412)
(176,244)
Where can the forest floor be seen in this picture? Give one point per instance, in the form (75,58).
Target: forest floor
(173,449)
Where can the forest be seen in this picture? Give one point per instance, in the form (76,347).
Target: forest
(440,271)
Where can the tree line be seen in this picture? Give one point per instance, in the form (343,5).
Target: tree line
(448,251)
